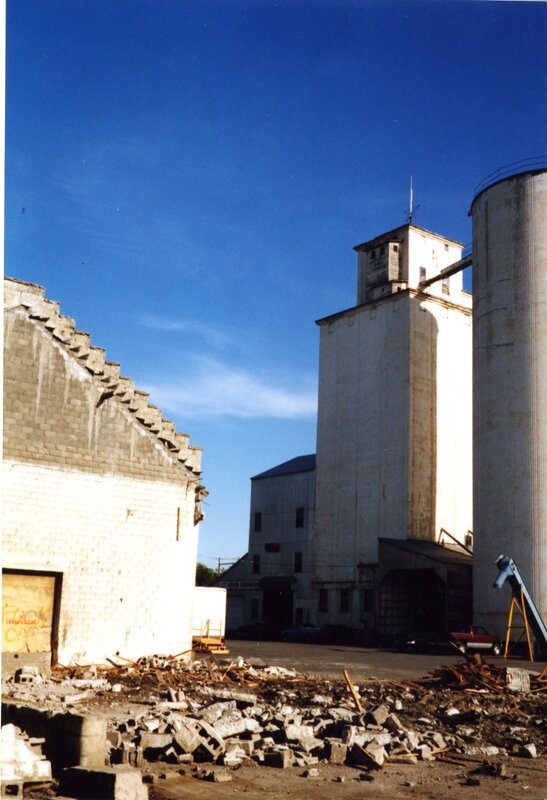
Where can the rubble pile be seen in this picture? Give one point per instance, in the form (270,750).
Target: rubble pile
(162,709)
(476,673)
(22,760)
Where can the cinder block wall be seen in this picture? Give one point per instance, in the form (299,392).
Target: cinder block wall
(90,492)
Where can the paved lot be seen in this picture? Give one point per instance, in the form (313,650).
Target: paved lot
(330,660)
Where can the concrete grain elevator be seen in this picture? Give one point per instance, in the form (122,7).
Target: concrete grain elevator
(510,388)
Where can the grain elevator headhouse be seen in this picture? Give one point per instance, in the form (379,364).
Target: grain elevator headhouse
(394,461)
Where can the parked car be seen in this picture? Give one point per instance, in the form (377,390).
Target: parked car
(475,637)
(302,633)
(424,641)
(258,631)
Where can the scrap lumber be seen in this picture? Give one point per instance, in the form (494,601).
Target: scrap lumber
(353,693)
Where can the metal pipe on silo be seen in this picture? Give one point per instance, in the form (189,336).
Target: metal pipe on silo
(510,388)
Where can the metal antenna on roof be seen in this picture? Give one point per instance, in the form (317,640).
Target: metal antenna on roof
(411,209)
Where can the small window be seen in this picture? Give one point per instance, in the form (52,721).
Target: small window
(272,547)
(445,285)
(422,274)
(257,522)
(300,517)
(256,564)
(396,248)
(323,600)
(345,596)
(382,251)
(298,562)
(368,600)
(373,254)
(446,247)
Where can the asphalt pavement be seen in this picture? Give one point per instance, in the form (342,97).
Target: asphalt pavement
(329,660)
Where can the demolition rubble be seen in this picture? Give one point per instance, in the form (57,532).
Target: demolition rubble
(209,717)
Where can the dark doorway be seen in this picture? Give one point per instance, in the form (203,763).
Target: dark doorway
(411,600)
(277,603)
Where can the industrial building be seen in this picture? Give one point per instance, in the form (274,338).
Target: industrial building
(431,435)
(272,582)
(393,509)
(100,500)
(389,541)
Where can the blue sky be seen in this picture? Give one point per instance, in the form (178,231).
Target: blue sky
(188,179)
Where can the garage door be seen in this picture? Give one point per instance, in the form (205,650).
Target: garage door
(27,612)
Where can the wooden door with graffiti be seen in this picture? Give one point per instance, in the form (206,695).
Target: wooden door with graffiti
(29,612)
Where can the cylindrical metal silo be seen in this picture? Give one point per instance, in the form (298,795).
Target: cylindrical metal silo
(510,389)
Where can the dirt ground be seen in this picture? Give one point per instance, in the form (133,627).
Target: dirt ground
(466,780)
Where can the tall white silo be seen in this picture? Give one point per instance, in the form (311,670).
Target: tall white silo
(510,389)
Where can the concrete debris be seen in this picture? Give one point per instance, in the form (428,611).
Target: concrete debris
(109,783)
(518,680)
(476,673)
(181,714)
(22,759)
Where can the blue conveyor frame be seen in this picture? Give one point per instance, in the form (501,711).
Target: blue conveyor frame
(509,572)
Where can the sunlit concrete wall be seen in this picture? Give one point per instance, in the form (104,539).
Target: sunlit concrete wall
(394,426)
(510,389)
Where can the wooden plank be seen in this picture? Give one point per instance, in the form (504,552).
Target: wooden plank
(353,693)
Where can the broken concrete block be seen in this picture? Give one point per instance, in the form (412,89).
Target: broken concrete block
(298,733)
(215,711)
(518,680)
(302,759)
(349,734)
(378,715)
(371,757)
(425,752)
(528,751)
(84,740)
(246,745)
(108,783)
(228,726)
(382,739)
(214,775)
(335,752)
(151,724)
(412,739)
(403,758)
(282,759)
(153,745)
(341,714)
(241,698)
(438,741)
(311,773)
(394,724)
(211,745)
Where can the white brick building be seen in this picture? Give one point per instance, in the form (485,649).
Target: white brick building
(272,582)
(100,499)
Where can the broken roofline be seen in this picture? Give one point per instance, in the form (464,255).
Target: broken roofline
(47,314)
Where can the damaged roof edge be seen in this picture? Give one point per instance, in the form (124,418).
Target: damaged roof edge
(46,313)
